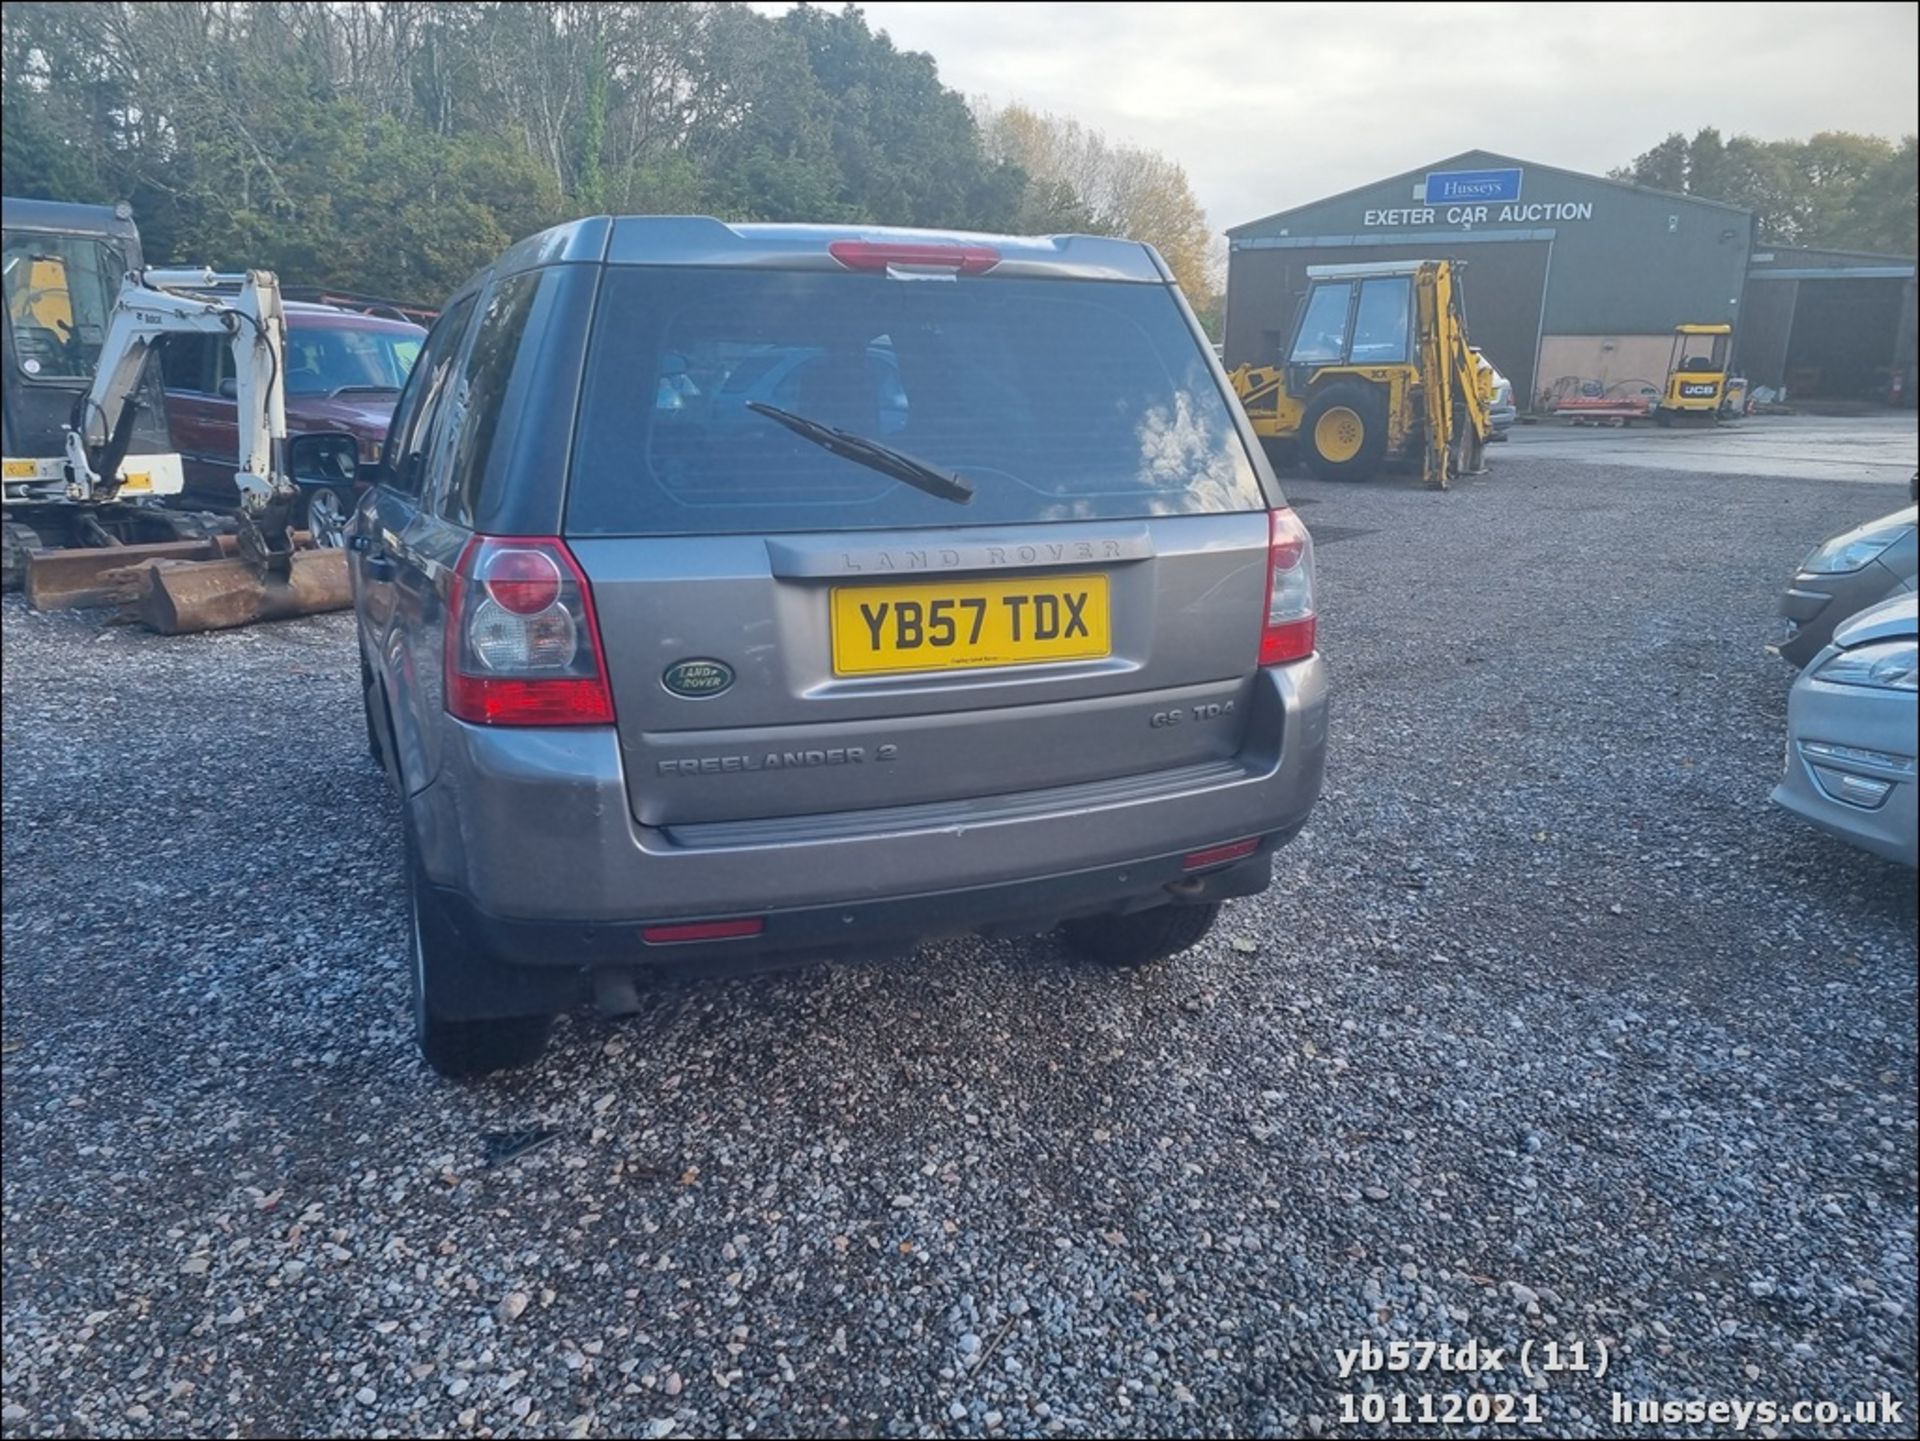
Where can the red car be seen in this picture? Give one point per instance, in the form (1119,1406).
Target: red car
(344,373)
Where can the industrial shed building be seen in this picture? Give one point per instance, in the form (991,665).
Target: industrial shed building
(1829,323)
(1574,283)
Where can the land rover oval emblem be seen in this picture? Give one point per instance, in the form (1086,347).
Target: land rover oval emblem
(696,679)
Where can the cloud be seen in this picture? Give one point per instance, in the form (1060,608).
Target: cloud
(1270,106)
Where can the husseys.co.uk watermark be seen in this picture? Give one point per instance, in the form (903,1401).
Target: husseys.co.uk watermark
(1530,1405)
(1881,1410)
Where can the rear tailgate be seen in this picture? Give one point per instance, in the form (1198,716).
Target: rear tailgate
(864,532)
(788,736)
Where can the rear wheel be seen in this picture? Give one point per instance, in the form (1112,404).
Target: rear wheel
(459,1048)
(1343,433)
(1143,936)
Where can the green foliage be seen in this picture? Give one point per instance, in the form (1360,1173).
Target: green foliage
(1839,190)
(396,148)
(1880,214)
(1078,180)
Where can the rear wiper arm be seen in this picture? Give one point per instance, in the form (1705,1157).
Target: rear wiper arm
(872,454)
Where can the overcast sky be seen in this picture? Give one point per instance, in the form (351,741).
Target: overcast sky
(1268,106)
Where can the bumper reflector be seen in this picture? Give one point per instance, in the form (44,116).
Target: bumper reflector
(1220,855)
(703,931)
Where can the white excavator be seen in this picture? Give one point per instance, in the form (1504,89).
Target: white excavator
(153,305)
(257,576)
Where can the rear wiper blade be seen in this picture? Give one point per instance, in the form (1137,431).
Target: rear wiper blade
(871,453)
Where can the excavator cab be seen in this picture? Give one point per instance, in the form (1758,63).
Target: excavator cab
(1378,368)
(1346,323)
(1696,374)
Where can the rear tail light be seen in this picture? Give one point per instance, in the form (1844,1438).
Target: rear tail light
(703,931)
(1219,855)
(883,255)
(1288,633)
(523,645)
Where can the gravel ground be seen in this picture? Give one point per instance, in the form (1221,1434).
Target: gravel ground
(1550,1028)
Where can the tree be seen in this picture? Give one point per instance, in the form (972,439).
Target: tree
(1664,167)
(907,147)
(1883,208)
(396,147)
(1835,189)
(1076,179)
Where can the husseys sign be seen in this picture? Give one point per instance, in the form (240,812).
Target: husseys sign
(1475,197)
(1473,185)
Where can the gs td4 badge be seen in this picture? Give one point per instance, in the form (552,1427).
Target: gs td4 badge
(697,679)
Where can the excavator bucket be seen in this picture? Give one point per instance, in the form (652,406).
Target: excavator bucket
(182,597)
(63,579)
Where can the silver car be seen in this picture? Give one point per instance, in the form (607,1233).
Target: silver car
(1850,733)
(1841,577)
(988,616)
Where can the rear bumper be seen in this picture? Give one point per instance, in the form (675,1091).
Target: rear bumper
(557,962)
(530,833)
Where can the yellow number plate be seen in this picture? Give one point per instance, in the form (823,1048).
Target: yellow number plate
(136,480)
(22,470)
(945,625)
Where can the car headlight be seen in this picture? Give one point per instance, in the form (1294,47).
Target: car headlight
(1888,665)
(1853,550)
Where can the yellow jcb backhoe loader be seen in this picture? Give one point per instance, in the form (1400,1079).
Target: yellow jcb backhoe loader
(1378,370)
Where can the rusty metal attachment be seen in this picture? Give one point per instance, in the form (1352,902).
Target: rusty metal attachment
(64,579)
(184,596)
(179,587)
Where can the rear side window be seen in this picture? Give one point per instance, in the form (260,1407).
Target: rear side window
(1054,400)
(490,369)
(411,429)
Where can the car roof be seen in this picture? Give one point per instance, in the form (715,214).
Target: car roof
(701,240)
(307,315)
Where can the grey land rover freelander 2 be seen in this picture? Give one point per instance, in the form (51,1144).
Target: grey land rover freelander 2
(735,594)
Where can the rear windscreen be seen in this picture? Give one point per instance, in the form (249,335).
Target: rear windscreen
(1051,399)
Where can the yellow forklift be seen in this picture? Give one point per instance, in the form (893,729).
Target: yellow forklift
(1696,392)
(1379,369)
